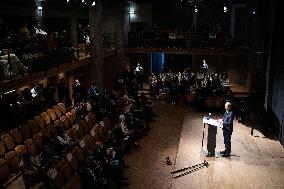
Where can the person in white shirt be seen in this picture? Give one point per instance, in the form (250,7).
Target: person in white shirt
(204,67)
(65,140)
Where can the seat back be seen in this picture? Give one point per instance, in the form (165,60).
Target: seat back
(17,135)
(85,147)
(107,123)
(84,125)
(57,111)
(56,177)
(8,141)
(72,160)
(93,118)
(4,170)
(74,182)
(58,123)
(2,148)
(64,168)
(38,138)
(78,152)
(65,122)
(90,141)
(89,122)
(79,130)
(51,130)
(102,134)
(33,127)
(70,118)
(12,160)
(62,108)
(39,122)
(73,111)
(31,146)
(95,134)
(45,132)
(72,133)
(51,114)
(20,149)
(45,118)
(25,129)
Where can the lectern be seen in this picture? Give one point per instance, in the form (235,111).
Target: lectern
(209,131)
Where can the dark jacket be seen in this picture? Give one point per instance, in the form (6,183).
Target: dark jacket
(228,120)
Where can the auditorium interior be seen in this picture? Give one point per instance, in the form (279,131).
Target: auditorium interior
(135,93)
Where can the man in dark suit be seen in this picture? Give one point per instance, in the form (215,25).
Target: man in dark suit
(227,123)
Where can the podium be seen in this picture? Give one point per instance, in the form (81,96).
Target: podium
(209,132)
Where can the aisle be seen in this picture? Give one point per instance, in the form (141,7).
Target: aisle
(147,163)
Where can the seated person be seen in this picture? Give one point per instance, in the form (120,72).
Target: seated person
(103,165)
(81,111)
(88,178)
(48,154)
(63,141)
(31,171)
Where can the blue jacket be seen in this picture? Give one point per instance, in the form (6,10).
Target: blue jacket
(228,120)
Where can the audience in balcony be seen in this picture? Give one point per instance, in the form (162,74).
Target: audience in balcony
(31,49)
(211,36)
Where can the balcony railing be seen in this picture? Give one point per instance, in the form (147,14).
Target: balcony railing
(182,40)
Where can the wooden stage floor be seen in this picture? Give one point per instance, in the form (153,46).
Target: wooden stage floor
(256,161)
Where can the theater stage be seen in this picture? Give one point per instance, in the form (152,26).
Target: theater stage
(255,162)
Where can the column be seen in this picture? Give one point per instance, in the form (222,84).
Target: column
(194,20)
(119,35)
(96,39)
(73,29)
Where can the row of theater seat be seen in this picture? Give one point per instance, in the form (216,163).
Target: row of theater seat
(29,137)
(88,132)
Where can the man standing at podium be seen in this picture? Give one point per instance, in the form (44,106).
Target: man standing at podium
(227,123)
